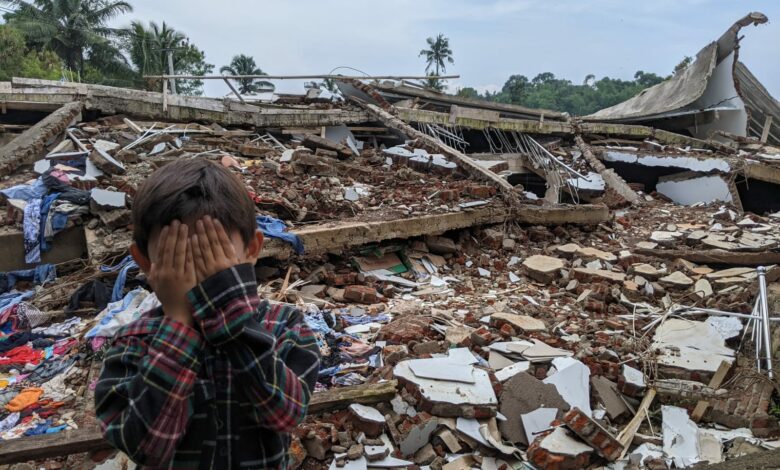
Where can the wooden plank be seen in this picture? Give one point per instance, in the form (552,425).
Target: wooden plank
(627,434)
(736,258)
(715,382)
(47,446)
(342,397)
(767,127)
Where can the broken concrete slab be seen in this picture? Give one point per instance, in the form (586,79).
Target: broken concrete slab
(543,268)
(521,323)
(691,345)
(587,274)
(702,288)
(607,393)
(368,419)
(595,253)
(676,279)
(523,394)
(102,199)
(572,380)
(537,421)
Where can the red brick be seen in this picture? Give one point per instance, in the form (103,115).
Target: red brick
(361,294)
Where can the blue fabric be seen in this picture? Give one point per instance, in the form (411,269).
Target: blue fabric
(9,299)
(39,429)
(115,309)
(39,275)
(45,206)
(26,192)
(32,231)
(55,429)
(123,267)
(276,228)
(363,319)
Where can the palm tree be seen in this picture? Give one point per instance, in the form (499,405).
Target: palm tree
(148,47)
(245,65)
(436,55)
(70,28)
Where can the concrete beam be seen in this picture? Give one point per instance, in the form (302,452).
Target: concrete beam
(339,236)
(149,105)
(31,144)
(612,179)
(761,172)
(505,124)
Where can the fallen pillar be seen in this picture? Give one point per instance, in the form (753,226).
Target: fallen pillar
(342,397)
(612,179)
(736,258)
(468,165)
(31,144)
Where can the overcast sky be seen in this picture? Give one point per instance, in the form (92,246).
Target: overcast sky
(491,39)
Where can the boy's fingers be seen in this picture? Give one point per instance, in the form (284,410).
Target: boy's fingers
(197,256)
(189,262)
(170,244)
(203,244)
(180,251)
(160,255)
(211,232)
(227,245)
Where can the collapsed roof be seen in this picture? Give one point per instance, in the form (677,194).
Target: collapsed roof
(716,94)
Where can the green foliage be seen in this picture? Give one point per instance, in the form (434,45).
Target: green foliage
(19,61)
(148,46)
(437,55)
(245,65)
(468,92)
(70,28)
(549,92)
(682,65)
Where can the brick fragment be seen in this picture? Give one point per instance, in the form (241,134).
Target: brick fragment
(593,433)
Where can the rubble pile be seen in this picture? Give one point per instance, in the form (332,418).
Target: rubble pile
(464,320)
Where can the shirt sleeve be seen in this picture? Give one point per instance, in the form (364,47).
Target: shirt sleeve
(142,396)
(271,349)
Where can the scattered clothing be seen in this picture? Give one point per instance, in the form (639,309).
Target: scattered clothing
(17,339)
(94,292)
(32,231)
(69,327)
(9,421)
(26,316)
(21,356)
(25,398)
(276,228)
(26,192)
(123,267)
(39,275)
(123,312)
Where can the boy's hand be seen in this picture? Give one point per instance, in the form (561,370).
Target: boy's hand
(172,274)
(213,251)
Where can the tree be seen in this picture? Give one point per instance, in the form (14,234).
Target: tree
(148,49)
(682,65)
(436,57)
(468,92)
(70,28)
(245,65)
(19,61)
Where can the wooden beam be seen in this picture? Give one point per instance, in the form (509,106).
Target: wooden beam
(767,127)
(342,397)
(47,446)
(715,382)
(627,434)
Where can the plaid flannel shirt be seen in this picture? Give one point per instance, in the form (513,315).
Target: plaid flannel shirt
(223,395)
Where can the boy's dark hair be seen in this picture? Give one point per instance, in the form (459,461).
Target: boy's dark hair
(189,189)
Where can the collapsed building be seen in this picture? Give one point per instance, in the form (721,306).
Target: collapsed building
(491,286)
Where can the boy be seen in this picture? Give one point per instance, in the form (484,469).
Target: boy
(216,377)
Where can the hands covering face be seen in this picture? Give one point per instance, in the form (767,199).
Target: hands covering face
(185,259)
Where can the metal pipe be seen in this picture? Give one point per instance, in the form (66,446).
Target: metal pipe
(765,314)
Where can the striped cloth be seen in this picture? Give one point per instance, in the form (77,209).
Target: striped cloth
(225,394)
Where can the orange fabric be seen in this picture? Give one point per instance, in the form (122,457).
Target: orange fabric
(26,397)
